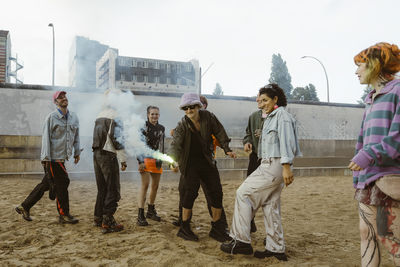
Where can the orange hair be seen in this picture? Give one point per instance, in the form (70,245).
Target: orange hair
(382,59)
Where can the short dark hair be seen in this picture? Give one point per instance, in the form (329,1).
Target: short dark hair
(272,90)
(204,101)
(152,107)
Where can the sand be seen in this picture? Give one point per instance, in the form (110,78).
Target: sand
(319,214)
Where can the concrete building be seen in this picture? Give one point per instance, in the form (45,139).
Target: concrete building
(5,53)
(84,54)
(146,75)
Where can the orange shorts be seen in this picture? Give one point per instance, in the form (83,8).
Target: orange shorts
(151,166)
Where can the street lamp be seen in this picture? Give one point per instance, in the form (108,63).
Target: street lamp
(54,47)
(326,75)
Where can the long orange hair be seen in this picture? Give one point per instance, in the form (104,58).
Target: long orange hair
(382,61)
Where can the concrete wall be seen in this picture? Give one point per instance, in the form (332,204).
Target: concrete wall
(327,132)
(23,112)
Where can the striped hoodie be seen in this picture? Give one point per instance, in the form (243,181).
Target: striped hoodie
(378,145)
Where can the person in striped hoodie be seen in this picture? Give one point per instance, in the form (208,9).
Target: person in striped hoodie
(378,153)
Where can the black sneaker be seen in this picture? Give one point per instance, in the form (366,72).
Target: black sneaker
(24,213)
(266,254)
(67,219)
(109,225)
(237,247)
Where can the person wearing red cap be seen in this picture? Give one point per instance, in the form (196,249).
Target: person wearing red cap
(60,137)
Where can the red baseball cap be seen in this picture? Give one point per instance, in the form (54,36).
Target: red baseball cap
(57,94)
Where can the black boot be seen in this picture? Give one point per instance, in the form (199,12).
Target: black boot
(179,220)
(152,213)
(141,220)
(109,225)
(218,231)
(186,233)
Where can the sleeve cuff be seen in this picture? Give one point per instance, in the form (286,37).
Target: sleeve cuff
(286,160)
(362,159)
(121,155)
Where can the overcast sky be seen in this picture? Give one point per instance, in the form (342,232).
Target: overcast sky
(239,37)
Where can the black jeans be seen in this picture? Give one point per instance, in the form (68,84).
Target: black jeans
(106,170)
(57,172)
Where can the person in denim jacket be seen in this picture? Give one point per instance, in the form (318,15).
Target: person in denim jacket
(262,189)
(60,137)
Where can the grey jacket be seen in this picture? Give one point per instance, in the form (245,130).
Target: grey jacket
(279,137)
(60,136)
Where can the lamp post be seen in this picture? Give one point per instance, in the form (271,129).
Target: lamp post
(326,75)
(54,49)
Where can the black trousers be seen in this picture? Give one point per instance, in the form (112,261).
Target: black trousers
(208,199)
(200,171)
(58,176)
(106,170)
(254,163)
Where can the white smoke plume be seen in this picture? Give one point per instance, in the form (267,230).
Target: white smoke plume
(128,111)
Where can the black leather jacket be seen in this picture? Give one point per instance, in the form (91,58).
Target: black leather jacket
(209,125)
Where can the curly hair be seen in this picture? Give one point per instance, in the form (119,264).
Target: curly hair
(272,90)
(382,61)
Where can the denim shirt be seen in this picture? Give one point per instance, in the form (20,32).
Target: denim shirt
(279,137)
(60,135)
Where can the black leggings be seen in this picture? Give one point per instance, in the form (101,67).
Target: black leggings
(200,170)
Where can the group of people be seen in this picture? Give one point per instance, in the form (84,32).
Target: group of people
(272,143)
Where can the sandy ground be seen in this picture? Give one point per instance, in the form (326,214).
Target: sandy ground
(319,217)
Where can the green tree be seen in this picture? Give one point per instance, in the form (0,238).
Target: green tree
(280,75)
(218,90)
(307,93)
(366,91)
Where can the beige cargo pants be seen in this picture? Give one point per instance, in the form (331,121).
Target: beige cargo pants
(261,189)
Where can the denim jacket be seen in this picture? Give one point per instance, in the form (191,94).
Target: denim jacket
(279,137)
(60,135)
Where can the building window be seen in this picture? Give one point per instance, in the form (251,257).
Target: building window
(145,64)
(168,67)
(134,63)
(125,61)
(189,67)
(145,78)
(157,65)
(134,79)
(157,79)
(122,77)
(168,80)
